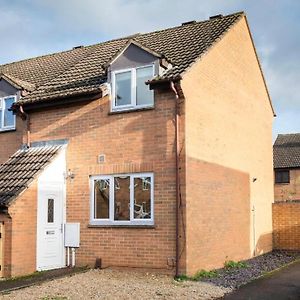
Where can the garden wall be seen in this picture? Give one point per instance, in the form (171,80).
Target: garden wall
(286,225)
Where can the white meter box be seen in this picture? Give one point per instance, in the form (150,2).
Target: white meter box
(72,235)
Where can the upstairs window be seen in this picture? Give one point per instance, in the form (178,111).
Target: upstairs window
(282,176)
(7,118)
(129,90)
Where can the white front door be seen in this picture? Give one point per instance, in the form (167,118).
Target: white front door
(50,246)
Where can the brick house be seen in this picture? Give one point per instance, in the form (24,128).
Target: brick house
(286,152)
(286,209)
(162,175)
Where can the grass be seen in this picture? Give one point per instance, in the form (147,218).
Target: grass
(202,274)
(230,264)
(182,278)
(198,276)
(38,274)
(29,276)
(205,274)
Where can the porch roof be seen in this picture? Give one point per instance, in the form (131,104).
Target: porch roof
(21,169)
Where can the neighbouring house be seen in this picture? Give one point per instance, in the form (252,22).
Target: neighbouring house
(159,145)
(286,209)
(286,151)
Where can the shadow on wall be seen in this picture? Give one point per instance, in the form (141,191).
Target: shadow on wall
(218,215)
(264,244)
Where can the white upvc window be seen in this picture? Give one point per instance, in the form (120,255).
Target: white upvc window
(129,90)
(7,118)
(123,199)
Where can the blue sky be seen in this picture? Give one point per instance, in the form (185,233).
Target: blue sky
(35,27)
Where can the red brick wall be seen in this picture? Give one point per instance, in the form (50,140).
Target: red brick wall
(288,191)
(286,226)
(228,118)
(11,141)
(132,142)
(23,227)
(218,217)
(6,245)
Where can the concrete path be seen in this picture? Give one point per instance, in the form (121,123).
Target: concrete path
(281,285)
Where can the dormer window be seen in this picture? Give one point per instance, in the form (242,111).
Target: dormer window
(129,90)
(7,118)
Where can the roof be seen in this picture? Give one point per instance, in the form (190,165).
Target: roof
(21,169)
(82,70)
(17,83)
(286,151)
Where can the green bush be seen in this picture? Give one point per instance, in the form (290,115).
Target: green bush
(205,274)
(182,278)
(230,264)
(198,276)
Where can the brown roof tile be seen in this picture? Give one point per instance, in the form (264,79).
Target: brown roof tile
(83,70)
(21,168)
(286,151)
(18,83)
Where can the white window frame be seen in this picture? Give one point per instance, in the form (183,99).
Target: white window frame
(110,221)
(133,103)
(2,112)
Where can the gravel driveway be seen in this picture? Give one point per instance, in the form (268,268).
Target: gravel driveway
(121,284)
(118,284)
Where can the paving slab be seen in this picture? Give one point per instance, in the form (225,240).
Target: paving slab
(279,285)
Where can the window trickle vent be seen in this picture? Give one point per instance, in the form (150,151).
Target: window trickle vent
(101,159)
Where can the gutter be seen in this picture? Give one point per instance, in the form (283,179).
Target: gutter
(56,101)
(177,149)
(171,80)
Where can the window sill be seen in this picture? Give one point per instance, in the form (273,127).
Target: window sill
(129,110)
(282,183)
(123,226)
(7,130)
